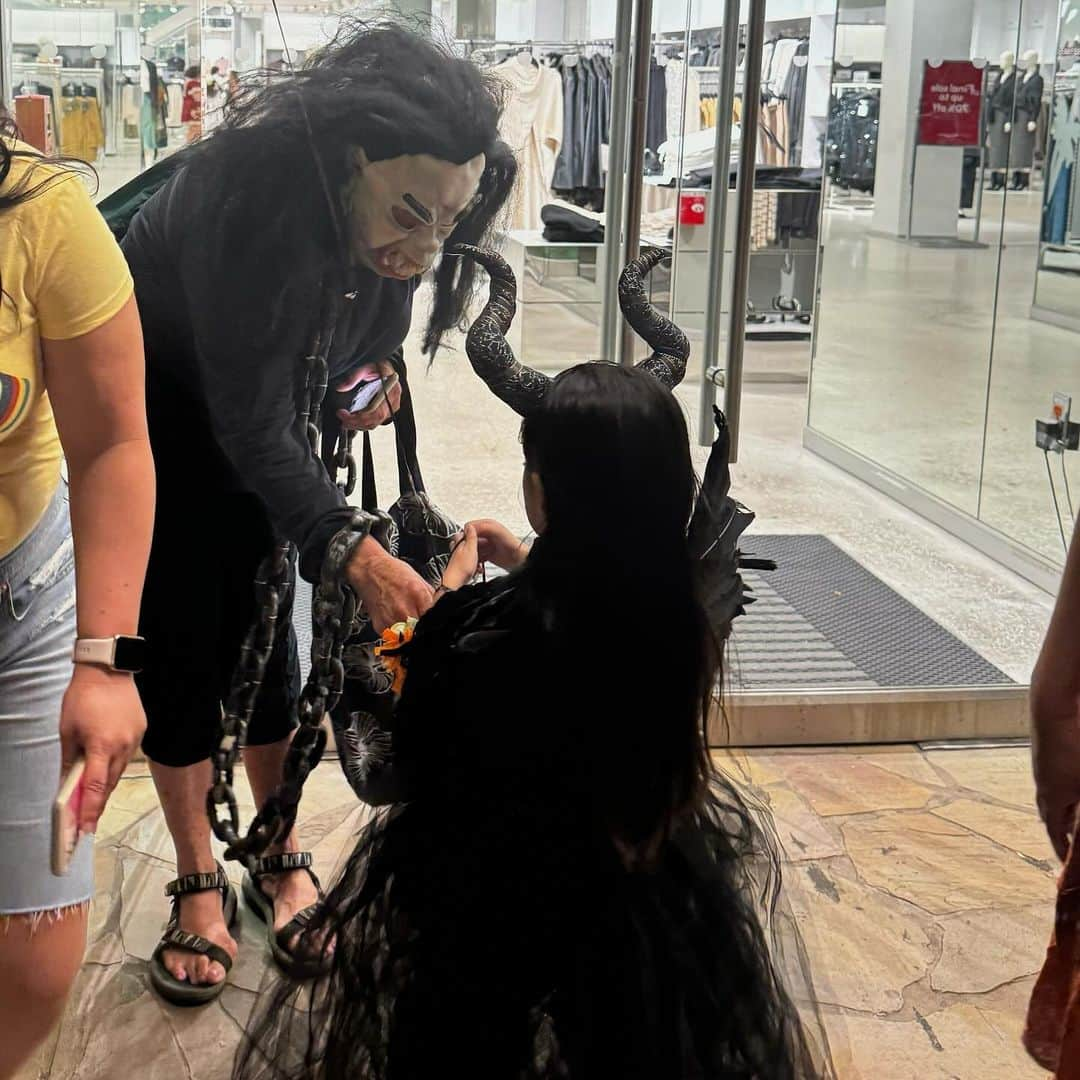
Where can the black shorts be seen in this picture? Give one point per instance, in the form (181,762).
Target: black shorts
(198,603)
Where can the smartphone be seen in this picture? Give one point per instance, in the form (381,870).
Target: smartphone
(365,394)
(65,818)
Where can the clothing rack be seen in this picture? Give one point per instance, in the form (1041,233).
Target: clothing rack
(473,46)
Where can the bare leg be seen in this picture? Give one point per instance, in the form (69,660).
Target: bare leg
(38,964)
(182,792)
(294,891)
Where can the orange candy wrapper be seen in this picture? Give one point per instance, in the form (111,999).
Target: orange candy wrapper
(1052,1036)
(393,638)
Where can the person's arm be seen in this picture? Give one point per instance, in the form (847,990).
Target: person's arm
(1055,710)
(251,396)
(95,384)
(499,546)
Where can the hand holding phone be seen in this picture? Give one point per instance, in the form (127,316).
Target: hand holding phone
(65,817)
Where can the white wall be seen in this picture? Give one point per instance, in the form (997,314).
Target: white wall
(914,33)
(997,21)
(63,26)
(302,32)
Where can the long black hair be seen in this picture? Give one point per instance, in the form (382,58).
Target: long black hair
(572,889)
(610,447)
(274,173)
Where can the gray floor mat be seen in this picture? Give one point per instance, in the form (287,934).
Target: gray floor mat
(822,620)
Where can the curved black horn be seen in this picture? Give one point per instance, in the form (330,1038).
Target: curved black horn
(486,345)
(671,349)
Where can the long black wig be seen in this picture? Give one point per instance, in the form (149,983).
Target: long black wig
(565,886)
(273,175)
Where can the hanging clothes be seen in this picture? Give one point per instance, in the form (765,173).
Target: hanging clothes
(532,125)
(795,95)
(579,174)
(175,94)
(656,130)
(567,164)
(82,133)
(851,143)
(683,97)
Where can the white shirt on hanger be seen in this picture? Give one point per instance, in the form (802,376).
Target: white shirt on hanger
(532,126)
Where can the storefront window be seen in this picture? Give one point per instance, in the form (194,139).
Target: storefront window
(946,214)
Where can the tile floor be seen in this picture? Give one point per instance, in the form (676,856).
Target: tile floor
(922,882)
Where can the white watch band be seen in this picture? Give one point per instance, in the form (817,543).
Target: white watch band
(101,651)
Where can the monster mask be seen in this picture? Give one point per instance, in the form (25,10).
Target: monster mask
(402,210)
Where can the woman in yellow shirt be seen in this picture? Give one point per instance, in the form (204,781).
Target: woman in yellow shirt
(71,386)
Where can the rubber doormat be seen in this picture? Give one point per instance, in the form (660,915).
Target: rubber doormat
(823,621)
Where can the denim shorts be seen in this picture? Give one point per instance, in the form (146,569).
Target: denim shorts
(37,632)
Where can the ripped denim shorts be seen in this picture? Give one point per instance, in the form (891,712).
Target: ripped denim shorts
(37,632)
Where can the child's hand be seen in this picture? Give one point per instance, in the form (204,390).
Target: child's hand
(498,545)
(464,563)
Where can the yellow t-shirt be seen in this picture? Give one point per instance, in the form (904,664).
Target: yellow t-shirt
(61,275)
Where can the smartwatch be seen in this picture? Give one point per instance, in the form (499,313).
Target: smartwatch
(120,653)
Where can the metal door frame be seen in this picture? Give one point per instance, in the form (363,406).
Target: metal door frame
(630,65)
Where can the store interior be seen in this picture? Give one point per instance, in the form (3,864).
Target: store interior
(949,285)
(911,309)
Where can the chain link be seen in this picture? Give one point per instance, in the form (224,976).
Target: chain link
(344,459)
(333,613)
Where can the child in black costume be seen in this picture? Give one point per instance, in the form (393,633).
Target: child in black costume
(563,884)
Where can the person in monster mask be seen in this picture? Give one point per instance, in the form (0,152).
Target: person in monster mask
(300,229)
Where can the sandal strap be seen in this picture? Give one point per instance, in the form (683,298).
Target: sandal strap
(197,883)
(297,926)
(298,923)
(282,864)
(175,938)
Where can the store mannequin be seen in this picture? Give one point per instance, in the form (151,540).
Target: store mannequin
(999,121)
(1029,93)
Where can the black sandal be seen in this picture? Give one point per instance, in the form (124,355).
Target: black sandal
(298,967)
(163,981)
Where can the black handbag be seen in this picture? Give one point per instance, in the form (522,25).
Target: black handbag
(421,535)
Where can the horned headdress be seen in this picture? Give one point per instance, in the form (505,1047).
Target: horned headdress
(718,520)
(521,387)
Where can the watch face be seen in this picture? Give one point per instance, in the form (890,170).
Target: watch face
(130,654)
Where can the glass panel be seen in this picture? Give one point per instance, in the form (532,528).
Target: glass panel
(1027,489)
(794,108)
(556,61)
(74,82)
(908,277)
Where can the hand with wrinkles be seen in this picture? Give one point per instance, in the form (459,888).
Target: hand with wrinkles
(380,406)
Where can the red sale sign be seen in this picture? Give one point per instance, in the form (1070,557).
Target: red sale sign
(950,112)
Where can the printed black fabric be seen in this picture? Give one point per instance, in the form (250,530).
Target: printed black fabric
(486,918)
(217,391)
(851,143)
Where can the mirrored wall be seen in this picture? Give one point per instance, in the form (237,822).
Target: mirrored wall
(948,315)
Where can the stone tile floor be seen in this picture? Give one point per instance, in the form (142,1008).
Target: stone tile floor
(922,881)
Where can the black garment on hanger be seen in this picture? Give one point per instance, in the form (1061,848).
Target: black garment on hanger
(795,92)
(656,133)
(566,166)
